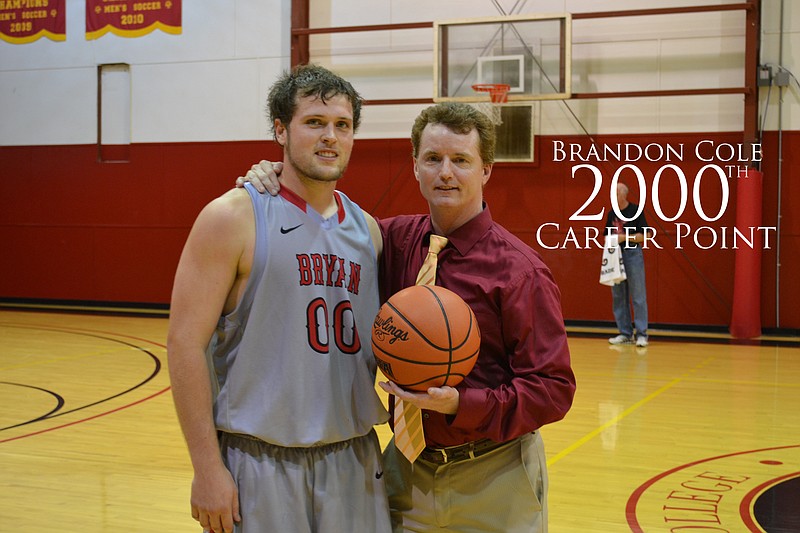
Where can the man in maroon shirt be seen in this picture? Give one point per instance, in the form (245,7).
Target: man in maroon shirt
(484,467)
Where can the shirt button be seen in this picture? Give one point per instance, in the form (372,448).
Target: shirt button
(426,415)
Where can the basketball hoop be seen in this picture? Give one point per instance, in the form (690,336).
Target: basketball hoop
(498,94)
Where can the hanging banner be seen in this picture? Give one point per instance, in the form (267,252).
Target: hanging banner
(131,18)
(24,21)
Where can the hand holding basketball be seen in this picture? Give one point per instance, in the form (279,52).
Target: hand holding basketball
(441,399)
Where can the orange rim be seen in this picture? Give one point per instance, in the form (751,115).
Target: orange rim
(498,92)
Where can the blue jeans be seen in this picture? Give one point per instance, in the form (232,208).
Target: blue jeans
(632,289)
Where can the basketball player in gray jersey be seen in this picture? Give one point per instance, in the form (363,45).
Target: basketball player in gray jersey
(269,354)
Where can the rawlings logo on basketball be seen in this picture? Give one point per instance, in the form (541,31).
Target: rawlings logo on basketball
(383,327)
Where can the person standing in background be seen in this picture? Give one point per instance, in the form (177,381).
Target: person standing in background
(633,290)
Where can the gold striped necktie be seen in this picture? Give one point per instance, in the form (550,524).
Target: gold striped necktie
(408,435)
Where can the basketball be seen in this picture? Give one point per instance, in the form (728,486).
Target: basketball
(425,336)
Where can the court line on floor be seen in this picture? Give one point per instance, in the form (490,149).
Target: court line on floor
(64,358)
(110,337)
(613,421)
(137,402)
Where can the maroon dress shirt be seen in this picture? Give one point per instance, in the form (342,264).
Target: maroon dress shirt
(522,379)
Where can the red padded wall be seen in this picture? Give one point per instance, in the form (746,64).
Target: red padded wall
(75,229)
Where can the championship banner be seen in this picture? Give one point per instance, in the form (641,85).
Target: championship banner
(25,21)
(131,18)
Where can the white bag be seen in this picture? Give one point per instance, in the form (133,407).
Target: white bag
(612,269)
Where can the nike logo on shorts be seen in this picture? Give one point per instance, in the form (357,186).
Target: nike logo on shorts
(287,230)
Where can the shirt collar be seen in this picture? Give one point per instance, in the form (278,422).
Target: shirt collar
(466,235)
(295,199)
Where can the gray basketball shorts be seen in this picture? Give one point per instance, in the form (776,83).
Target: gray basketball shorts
(329,488)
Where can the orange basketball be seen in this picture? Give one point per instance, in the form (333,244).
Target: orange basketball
(425,336)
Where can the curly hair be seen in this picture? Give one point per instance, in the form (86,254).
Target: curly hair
(459,118)
(304,81)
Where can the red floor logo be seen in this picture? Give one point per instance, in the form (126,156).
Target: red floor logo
(722,494)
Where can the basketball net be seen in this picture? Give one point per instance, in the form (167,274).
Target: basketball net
(498,94)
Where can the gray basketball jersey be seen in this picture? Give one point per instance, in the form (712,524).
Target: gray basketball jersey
(293,363)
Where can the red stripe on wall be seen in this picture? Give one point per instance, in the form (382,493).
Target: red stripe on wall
(76,229)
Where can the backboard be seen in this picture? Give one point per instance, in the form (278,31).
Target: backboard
(530,53)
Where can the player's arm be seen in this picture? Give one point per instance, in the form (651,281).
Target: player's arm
(205,280)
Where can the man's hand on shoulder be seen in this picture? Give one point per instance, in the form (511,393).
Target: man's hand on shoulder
(263,176)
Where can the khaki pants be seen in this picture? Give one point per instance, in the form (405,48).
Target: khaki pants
(503,491)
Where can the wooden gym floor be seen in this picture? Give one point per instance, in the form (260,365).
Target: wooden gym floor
(689,434)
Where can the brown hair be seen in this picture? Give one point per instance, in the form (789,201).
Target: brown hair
(459,118)
(304,81)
